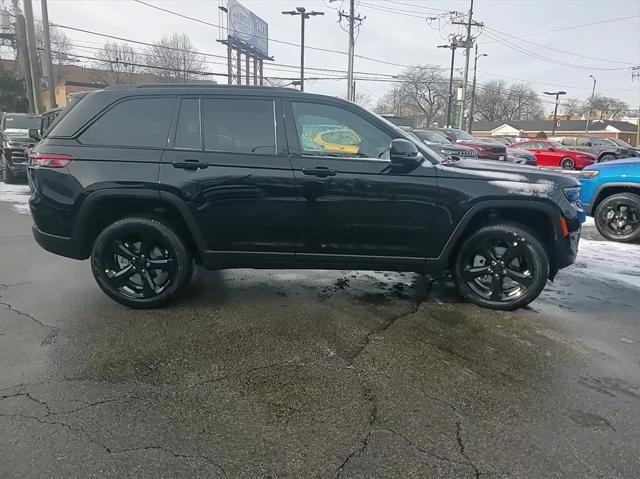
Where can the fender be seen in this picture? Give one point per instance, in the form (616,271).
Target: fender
(88,206)
(548,209)
(612,184)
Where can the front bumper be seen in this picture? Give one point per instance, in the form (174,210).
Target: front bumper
(59,245)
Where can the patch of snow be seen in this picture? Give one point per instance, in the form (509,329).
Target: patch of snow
(618,262)
(589,222)
(16,194)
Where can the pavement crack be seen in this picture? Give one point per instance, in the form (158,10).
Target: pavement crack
(27,315)
(463,449)
(421,450)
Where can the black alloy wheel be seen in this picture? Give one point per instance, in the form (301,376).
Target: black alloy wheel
(617,217)
(567,163)
(501,267)
(140,262)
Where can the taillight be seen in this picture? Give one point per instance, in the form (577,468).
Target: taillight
(49,160)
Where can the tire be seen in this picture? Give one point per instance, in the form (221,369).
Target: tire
(607,157)
(7,175)
(520,277)
(123,259)
(617,217)
(567,163)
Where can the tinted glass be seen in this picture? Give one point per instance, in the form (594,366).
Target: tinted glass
(461,134)
(188,129)
(325,130)
(569,141)
(20,122)
(582,141)
(139,122)
(239,125)
(431,137)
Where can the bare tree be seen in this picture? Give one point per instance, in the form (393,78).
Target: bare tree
(363,99)
(61,45)
(421,95)
(175,59)
(572,107)
(495,101)
(119,62)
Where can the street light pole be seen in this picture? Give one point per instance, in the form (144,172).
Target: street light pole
(593,92)
(555,109)
(304,15)
(473,89)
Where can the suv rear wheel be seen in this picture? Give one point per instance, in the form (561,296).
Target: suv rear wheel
(140,262)
(617,217)
(501,266)
(607,157)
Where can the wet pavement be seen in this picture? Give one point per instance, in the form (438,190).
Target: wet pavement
(316,373)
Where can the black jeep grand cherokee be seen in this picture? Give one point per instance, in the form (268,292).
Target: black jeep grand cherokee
(148,180)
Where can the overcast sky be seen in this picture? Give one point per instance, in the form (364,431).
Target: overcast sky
(397,32)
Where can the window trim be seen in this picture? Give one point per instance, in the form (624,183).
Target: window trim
(111,106)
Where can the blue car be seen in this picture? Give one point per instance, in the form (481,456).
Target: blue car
(611,194)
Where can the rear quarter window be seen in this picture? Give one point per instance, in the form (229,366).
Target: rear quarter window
(135,122)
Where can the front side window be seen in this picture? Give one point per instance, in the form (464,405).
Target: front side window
(239,125)
(582,141)
(138,122)
(325,130)
(569,141)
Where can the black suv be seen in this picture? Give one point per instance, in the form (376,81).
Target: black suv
(148,180)
(14,132)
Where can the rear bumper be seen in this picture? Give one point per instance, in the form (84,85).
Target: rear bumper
(59,245)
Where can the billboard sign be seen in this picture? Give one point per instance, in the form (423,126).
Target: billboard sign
(248,28)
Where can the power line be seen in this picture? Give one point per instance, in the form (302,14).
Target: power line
(572,27)
(530,53)
(417,6)
(557,50)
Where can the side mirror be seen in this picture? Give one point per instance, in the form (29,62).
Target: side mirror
(34,133)
(403,152)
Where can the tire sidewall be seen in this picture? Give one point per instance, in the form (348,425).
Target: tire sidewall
(601,222)
(133,225)
(504,231)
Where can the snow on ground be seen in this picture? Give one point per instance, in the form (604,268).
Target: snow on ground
(618,262)
(16,194)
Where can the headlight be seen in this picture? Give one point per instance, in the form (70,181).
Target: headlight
(572,194)
(588,174)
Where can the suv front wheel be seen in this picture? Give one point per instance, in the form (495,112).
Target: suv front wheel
(617,217)
(140,262)
(501,266)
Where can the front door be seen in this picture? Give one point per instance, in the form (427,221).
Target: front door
(354,202)
(228,163)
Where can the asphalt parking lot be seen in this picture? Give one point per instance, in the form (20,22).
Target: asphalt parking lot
(316,373)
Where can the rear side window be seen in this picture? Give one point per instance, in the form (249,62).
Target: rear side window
(138,122)
(188,129)
(239,125)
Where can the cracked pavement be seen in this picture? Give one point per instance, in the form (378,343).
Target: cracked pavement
(312,374)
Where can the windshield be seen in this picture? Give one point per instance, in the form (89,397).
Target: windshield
(621,143)
(461,134)
(20,122)
(431,137)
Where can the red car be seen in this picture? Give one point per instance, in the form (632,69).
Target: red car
(551,154)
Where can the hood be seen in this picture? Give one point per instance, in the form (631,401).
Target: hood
(624,163)
(504,171)
(455,146)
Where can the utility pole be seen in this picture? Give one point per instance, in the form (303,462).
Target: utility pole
(352,19)
(593,92)
(468,43)
(36,83)
(473,89)
(555,109)
(453,45)
(635,75)
(51,82)
(22,55)
(304,15)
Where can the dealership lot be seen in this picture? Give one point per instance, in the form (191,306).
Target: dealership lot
(316,373)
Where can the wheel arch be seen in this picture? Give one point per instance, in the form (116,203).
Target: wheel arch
(607,189)
(103,207)
(541,218)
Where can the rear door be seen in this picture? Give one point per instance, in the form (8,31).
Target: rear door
(355,204)
(227,161)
